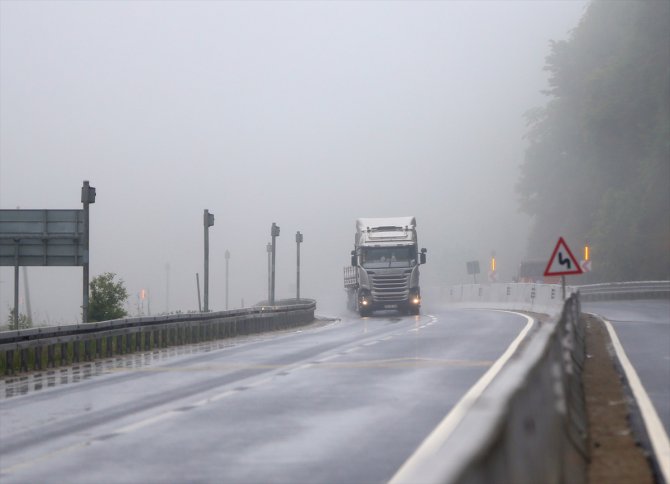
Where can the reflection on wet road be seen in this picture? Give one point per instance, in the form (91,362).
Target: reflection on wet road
(342,401)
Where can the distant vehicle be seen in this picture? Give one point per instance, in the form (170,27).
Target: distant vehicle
(384,271)
(533,271)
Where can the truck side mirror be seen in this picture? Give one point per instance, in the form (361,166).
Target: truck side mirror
(354,262)
(422,256)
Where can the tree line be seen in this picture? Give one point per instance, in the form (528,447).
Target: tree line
(597,166)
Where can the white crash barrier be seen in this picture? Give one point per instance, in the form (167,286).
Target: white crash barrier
(537,298)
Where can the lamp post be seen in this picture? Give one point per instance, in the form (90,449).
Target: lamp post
(208,221)
(269,249)
(87,197)
(227,260)
(298,241)
(274,232)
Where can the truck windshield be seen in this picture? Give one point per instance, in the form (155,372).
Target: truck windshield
(378,257)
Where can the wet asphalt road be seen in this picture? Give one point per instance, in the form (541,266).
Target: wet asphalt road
(643,326)
(340,401)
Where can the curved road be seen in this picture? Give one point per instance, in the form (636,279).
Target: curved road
(643,327)
(340,401)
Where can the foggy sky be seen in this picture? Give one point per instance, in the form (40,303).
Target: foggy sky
(307,114)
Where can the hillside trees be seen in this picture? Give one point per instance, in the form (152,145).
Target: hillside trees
(597,168)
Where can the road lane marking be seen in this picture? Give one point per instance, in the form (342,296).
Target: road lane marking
(652,422)
(148,421)
(441,434)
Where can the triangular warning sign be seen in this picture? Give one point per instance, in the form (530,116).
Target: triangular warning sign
(562,262)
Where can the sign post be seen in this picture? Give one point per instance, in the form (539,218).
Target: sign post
(274,233)
(227,263)
(473,269)
(87,197)
(562,263)
(298,241)
(208,221)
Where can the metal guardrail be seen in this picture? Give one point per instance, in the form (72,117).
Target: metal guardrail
(625,290)
(530,424)
(35,349)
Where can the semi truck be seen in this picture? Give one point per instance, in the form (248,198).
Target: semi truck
(384,270)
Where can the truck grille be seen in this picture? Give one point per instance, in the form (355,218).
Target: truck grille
(392,287)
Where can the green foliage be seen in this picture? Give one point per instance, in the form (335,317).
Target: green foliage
(597,168)
(107,298)
(24,321)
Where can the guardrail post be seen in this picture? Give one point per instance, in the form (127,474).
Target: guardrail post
(76,349)
(38,358)
(9,362)
(23,365)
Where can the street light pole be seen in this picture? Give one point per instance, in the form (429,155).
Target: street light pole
(227,260)
(87,197)
(269,249)
(208,221)
(274,232)
(298,240)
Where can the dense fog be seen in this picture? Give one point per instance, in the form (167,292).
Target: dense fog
(304,114)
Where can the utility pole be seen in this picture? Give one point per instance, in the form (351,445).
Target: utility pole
(208,221)
(197,284)
(87,197)
(16,285)
(227,261)
(298,241)
(167,287)
(274,232)
(268,247)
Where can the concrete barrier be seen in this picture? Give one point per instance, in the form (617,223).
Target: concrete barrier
(537,298)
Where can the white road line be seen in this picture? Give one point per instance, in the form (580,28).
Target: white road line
(147,421)
(655,430)
(442,432)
